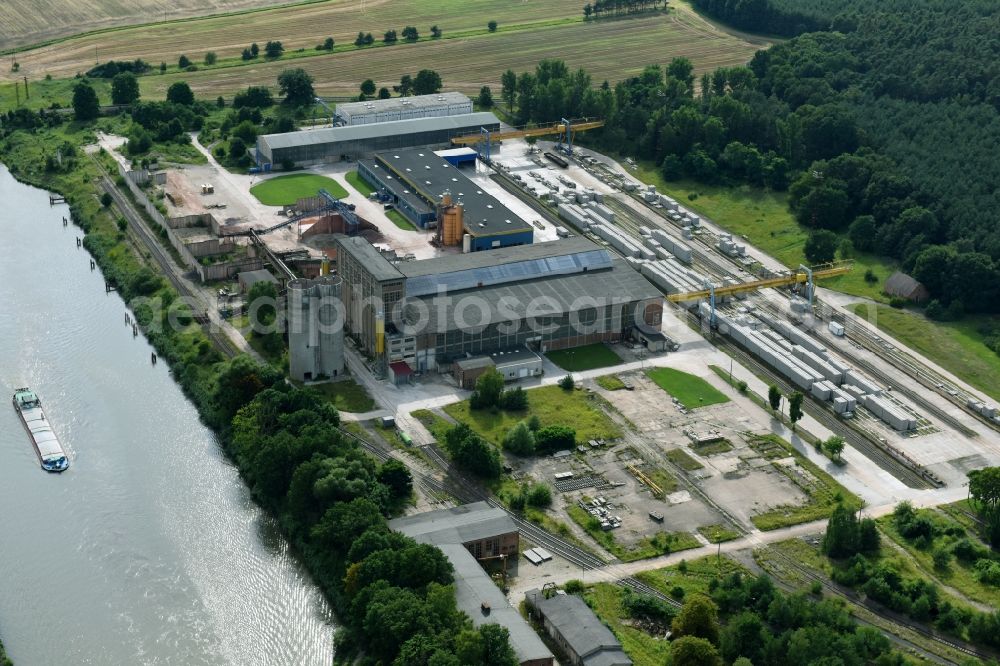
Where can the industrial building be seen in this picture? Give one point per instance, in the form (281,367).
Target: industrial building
(352,142)
(546,296)
(485,531)
(432,192)
(574,627)
(512,365)
(402,108)
(315,329)
(467,535)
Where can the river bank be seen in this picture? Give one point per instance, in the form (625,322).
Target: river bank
(160,556)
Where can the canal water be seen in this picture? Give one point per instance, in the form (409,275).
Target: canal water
(149,550)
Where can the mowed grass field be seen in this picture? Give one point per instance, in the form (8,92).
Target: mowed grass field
(589,357)
(289,189)
(692,391)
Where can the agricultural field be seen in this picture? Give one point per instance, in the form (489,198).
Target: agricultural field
(285,190)
(467,57)
(24,22)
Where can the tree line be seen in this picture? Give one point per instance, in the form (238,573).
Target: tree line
(884,140)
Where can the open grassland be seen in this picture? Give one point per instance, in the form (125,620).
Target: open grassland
(285,190)
(552,405)
(955,346)
(763,217)
(24,22)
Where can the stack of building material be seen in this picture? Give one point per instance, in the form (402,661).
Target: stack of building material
(645,231)
(575,216)
(672,277)
(668,203)
(868,386)
(817,363)
(678,249)
(603,211)
(619,241)
(895,416)
(844,400)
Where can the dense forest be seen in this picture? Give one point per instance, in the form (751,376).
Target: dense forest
(883,125)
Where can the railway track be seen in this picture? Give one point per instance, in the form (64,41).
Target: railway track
(138,227)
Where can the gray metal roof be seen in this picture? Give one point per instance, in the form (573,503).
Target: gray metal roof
(475,362)
(573,619)
(253,277)
(422,176)
(511,357)
(402,103)
(501,255)
(560,294)
(366,254)
(460,524)
(459,124)
(473,587)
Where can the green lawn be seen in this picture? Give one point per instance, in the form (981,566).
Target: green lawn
(358,183)
(578,359)
(957,346)
(285,190)
(397,218)
(346,395)
(552,405)
(692,391)
(693,577)
(763,217)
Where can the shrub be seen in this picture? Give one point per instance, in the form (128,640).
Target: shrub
(539,496)
(567,383)
(106,199)
(555,438)
(573,586)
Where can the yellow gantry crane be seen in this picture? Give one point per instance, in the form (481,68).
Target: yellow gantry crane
(564,129)
(798,277)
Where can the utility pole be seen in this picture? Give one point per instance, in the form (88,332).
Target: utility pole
(26,95)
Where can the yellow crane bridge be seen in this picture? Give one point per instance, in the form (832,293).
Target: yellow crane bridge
(797,277)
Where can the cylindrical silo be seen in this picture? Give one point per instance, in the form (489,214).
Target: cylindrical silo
(329,319)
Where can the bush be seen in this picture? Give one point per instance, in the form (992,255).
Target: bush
(492,26)
(539,496)
(520,440)
(573,586)
(897,302)
(555,438)
(106,199)
(567,383)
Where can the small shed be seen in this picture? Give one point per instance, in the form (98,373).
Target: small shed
(652,339)
(901,285)
(468,370)
(247,279)
(517,364)
(400,373)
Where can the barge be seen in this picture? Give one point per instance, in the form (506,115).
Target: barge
(43,438)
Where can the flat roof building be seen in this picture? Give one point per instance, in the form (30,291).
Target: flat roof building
(403,108)
(574,627)
(332,144)
(421,183)
(471,525)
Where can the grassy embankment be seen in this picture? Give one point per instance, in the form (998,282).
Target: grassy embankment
(358,183)
(589,357)
(690,390)
(552,405)
(397,218)
(286,190)
(956,346)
